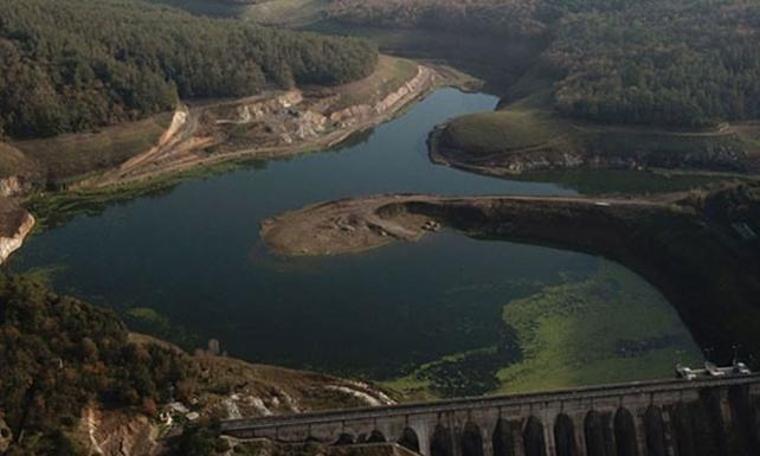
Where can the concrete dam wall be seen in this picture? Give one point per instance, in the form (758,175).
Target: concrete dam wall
(666,418)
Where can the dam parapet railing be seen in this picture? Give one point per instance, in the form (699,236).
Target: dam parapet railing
(666,417)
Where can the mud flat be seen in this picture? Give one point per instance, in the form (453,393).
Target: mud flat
(15,225)
(700,250)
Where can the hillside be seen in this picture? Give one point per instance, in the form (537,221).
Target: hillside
(674,63)
(78,65)
(64,359)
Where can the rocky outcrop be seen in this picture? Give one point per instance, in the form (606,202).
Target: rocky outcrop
(358,113)
(6,437)
(13,186)
(274,125)
(120,433)
(256,109)
(15,224)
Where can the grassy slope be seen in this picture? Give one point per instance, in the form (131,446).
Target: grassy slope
(503,131)
(749,132)
(390,75)
(67,156)
(15,162)
(525,123)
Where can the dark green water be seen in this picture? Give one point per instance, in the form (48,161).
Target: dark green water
(194,256)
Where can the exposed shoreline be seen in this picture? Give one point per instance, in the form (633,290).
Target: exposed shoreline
(194,131)
(356,225)
(598,147)
(700,251)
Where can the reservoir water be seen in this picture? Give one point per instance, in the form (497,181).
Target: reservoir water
(188,265)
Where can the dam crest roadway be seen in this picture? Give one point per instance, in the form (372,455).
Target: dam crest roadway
(711,416)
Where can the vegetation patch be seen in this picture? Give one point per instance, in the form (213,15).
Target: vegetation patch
(59,354)
(584,333)
(149,321)
(606,328)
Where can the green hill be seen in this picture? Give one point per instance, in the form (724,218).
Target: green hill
(674,63)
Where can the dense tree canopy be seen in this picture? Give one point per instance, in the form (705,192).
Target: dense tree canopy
(72,65)
(672,63)
(499,17)
(676,63)
(58,353)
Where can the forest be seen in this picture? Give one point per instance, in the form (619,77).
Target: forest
(59,354)
(77,65)
(673,63)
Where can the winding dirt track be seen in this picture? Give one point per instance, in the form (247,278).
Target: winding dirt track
(186,142)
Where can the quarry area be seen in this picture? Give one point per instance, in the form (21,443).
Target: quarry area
(275,125)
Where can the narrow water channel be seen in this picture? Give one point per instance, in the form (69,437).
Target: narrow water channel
(188,265)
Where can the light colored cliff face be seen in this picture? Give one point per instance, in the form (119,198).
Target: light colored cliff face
(117,433)
(358,113)
(247,113)
(294,118)
(14,228)
(13,186)
(6,437)
(269,126)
